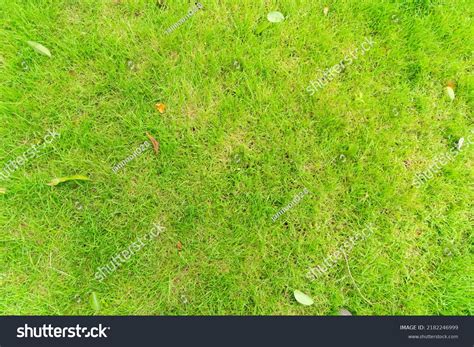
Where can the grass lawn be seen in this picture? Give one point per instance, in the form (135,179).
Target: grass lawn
(242,138)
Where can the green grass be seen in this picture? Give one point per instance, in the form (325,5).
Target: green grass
(236,145)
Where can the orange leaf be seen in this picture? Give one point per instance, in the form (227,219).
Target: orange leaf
(160,107)
(156,144)
(179,245)
(451,84)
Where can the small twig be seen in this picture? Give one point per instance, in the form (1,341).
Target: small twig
(61,272)
(353,280)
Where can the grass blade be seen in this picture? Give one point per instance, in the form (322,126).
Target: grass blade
(94,301)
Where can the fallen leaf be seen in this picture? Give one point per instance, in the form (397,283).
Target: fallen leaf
(160,107)
(156,144)
(326,11)
(460,143)
(94,301)
(179,245)
(3,190)
(56,181)
(38,47)
(302,298)
(450,86)
(450,92)
(344,312)
(275,17)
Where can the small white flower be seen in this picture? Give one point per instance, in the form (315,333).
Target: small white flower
(460,143)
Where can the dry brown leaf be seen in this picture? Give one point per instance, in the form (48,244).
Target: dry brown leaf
(156,144)
(179,245)
(451,84)
(160,107)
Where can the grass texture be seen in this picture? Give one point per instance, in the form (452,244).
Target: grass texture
(239,139)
